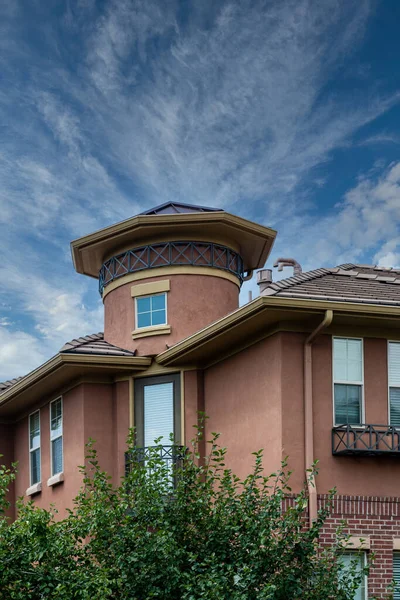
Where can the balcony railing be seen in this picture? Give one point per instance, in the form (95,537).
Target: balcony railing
(170,455)
(366,440)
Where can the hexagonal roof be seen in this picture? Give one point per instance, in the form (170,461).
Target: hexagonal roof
(174,222)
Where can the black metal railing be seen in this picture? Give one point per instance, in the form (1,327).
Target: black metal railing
(366,440)
(171,456)
(196,254)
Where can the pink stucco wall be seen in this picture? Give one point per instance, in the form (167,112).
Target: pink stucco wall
(194,301)
(243,403)
(7,458)
(91,410)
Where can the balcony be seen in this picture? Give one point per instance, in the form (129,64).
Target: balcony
(170,455)
(366,440)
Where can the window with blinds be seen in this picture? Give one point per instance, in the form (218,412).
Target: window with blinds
(394,382)
(348,381)
(56,436)
(157,410)
(347,560)
(396,575)
(34,448)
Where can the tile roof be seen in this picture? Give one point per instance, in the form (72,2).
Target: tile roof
(346,283)
(4,385)
(94,344)
(178,207)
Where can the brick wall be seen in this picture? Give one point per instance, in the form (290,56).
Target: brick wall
(377,519)
(373,518)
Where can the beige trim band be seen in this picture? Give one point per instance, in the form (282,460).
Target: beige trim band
(358,543)
(396,544)
(147,289)
(166,272)
(152,330)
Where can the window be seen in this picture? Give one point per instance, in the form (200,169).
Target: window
(151,310)
(396,575)
(56,436)
(347,560)
(394,383)
(157,409)
(348,381)
(34,447)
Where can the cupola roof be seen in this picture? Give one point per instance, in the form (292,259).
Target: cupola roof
(174,222)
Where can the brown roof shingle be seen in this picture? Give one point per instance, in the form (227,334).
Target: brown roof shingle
(345,283)
(94,344)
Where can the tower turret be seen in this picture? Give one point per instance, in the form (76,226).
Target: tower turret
(170,271)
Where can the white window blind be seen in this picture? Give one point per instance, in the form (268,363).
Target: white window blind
(348,380)
(394,364)
(396,575)
(34,447)
(394,382)
(56,433)
(158,413)
(347,559)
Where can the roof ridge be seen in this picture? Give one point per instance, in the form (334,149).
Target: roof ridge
(160,209)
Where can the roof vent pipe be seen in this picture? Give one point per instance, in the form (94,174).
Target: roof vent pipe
(264,278)
(289,262)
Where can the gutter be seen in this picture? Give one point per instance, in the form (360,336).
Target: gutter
(308,415)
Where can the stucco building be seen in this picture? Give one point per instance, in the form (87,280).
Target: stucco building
(309,369)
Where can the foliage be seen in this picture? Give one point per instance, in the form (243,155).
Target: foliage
(211,536)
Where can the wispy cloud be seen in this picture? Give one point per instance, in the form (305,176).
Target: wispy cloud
(225,103)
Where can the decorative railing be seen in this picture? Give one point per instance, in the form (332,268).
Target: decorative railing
(366,440)
(195,254)
(172,456)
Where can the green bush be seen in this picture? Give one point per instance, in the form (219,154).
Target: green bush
(210,536)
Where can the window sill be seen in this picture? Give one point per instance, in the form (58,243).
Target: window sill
(148,331)
(55,480)
(36,488)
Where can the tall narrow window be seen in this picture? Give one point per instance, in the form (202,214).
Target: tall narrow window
(151,310)
(34,447)
(56,436)
(348,381)
(347,560)
(157,409)
(394,382)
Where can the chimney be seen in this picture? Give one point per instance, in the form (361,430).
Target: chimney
(289,262)
(264,278)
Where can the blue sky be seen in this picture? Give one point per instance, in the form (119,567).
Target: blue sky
(285,112)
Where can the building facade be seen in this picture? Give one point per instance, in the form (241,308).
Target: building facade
(310,369)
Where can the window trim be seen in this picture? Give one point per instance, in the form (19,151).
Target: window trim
(149,327)
(138,402)
(388,380)
(31,450)
(363,553)
(56,438)
(340,382)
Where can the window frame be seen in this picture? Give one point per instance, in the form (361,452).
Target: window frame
(388,380)
(56,438)
(341,382)
(144,327)
(362,553)
(138,402)
(34,449)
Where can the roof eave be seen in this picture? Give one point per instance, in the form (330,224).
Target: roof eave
(179,353)
(75,362)
(146,222)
